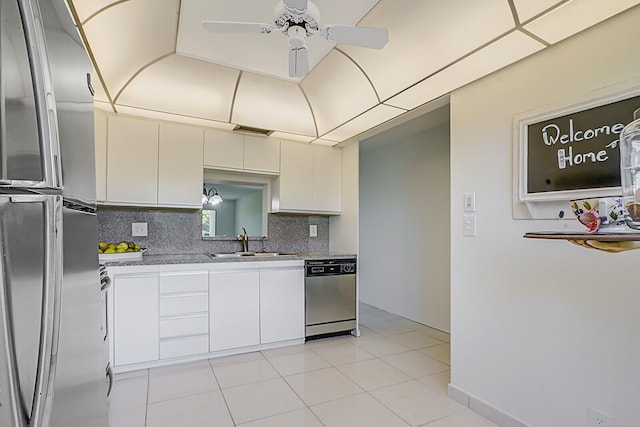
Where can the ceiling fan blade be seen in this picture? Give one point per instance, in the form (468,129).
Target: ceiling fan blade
(298,61)
(298,6)
(237,27)
(374,38)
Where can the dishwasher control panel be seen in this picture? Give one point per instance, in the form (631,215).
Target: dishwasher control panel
(330,267)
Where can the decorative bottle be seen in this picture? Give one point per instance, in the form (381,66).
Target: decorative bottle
(630,171)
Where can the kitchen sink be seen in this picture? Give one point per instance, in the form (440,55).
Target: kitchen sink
(233,254)
(241,254)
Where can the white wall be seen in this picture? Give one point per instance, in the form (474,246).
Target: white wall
(404,226)
(540,329)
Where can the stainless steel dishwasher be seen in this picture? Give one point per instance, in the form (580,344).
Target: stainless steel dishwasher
(330,296)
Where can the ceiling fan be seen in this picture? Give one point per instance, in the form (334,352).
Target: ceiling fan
(299,19)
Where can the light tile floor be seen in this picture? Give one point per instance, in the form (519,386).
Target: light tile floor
(395,374)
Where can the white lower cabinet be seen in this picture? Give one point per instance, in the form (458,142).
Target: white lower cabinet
(234,309)
(135,336)
(281,304)
(159,314)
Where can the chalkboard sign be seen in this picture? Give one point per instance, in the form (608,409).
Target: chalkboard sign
(570,153)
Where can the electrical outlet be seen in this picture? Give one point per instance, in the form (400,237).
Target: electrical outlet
(139,229)
(598,419)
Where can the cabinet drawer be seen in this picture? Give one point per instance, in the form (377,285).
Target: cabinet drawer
(191,282)
(184,347)
(183,326)
(183,304)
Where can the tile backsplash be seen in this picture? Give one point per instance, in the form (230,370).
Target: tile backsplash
(179,231)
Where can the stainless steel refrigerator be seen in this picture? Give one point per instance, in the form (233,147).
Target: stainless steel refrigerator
(52,361)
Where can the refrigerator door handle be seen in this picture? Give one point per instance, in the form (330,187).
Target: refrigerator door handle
(46,104)
(50,311)
(12,401)
(109,375)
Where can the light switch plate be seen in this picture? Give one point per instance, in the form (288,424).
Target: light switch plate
(139,229)
(470,202)
(469,225)
(313,230)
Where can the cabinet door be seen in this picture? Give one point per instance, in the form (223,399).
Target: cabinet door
(223,150)
(132,161)
(100,132)
(136,336)
(327,179)
(281,304)
(296,179)
(261,154)
(180,166)
(234,309)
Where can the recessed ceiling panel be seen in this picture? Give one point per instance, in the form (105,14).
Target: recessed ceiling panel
(425,36)
(272,104)
(365,121)
(326,86)
(183,86)
(127,37)
(503,52)
(527,9)
(86,8)
(575,16)
(159,115)
(265,54)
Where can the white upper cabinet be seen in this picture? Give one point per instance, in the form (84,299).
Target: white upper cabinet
(141,162)
(261,154)
(293,190)
(234,151)
(132,161)
(310,179)
(180,165)
(224,150)
(327,179)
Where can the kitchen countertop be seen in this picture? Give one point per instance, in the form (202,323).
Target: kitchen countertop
(203,258)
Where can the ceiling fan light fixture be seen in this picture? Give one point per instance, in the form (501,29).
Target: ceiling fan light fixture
(300,19)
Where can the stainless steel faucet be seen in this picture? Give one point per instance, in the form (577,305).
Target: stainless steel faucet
(244,238)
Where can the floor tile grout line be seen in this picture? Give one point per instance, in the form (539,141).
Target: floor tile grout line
(224,398)
(330,400)
(390,409)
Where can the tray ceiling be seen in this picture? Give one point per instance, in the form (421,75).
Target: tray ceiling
(152,58)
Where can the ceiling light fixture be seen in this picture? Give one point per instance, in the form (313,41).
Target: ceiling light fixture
(210,197)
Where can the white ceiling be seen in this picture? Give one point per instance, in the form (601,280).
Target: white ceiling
(153,59)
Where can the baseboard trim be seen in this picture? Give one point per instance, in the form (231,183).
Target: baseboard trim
(483,408)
